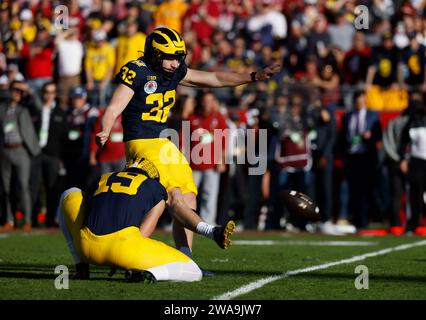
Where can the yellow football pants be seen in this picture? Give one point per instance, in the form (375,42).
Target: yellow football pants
(173,167)
(126,248)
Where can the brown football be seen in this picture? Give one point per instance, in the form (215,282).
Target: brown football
(299,204)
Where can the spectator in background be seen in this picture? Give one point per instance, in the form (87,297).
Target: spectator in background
(328,83)
(278,117)
(105,17)
(39,59)
(99,66)
(76,18)
(413,63)
(193,48)
(319,39)
(361,136)
(14,42)
(112,156)
(342,32)
(129,44)
(134,12)
(28,27)
(298,41)
(255,214)
(80,120)
(355,66)
(392,136)
(293,152)
(233,182)
(208,153)
(4,89)
(19,144)
(268,17)
(45,7)
(51,125)
(324,123)
(383,70)
(170,13)
(13,73)
(413,164)
(202,17)
(4,21)
(70,57)
(149,7)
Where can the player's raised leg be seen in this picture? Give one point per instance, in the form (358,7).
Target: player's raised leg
(189,219)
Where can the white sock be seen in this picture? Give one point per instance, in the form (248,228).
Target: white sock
(205,229)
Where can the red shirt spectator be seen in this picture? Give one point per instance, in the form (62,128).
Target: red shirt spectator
(203,126)
(203,19)
(114,149)
(76,18)
(44,6)
(39,60)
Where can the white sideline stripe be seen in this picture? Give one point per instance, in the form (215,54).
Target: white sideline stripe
(303,243)
(29,234)
(260,283)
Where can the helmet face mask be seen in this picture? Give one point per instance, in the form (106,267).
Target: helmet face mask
(164,44)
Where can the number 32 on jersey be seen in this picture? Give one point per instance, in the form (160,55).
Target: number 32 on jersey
(164,102)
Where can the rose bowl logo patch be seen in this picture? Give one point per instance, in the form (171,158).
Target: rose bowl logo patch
(150,87)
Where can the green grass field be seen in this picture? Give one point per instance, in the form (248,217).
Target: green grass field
(27,263)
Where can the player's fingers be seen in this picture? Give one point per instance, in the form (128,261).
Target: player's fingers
(275,68)
(100,141)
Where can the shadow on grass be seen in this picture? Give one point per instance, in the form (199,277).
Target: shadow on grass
(17,274)
(47,271)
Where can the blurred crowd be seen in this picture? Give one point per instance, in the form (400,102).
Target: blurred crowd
(345,117)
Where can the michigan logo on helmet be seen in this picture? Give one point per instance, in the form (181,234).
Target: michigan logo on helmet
(146,166)
(163,43)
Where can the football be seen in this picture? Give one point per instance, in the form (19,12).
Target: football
(299,204)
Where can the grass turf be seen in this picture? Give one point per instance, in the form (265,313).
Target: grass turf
(27,263)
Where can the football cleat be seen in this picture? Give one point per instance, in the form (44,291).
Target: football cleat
(82,271)
(207,273)
(140,276)
(222,234)
(112,272)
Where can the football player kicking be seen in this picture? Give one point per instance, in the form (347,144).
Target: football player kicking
(112,223)
(145,94)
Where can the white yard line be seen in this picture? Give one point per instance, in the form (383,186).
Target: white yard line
(260,283)
(24,234)
(303,243)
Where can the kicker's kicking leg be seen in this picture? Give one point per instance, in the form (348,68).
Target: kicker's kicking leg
(186,217)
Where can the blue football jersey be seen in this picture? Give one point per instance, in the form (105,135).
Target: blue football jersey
(146,114)
(121,199)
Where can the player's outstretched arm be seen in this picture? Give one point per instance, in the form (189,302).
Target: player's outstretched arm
(197,78)
(119,101)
